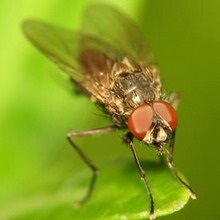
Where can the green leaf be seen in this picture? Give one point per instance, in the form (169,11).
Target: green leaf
(119,194)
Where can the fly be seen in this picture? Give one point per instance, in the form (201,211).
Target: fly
(109,61)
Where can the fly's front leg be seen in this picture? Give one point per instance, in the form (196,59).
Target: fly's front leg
(173,168)
(174,99)
(129,140)
(86,160)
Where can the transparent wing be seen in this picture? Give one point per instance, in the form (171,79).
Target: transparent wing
(77,54)
(57,43)
(89,55)
(80,55)
(113,27)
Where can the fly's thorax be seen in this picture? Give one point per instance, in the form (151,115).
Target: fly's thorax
(132,85)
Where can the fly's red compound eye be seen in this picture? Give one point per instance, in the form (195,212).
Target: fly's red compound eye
(166,112)
(140,120)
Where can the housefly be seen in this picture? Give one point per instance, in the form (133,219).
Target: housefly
(109,61)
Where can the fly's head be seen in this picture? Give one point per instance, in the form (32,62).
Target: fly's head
(153,122)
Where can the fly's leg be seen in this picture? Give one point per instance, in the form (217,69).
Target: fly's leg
(86,160)
(129,140)
(174,99)
(173,168)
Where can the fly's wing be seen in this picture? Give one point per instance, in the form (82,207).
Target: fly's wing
(88,56)
(57,43)
(80,55)
(118,30)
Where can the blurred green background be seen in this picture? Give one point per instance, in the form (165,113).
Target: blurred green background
(37,107)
